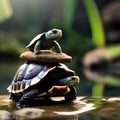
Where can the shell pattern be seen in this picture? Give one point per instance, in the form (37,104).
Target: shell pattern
(31,74)
(34,40)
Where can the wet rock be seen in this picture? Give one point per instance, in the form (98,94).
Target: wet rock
(58,108)
(31,113)
(82,108)
(5,115)
(110,109)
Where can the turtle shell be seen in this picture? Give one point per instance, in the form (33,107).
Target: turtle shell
(34,40)
(42,76)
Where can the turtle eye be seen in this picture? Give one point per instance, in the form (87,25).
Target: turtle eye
(54,31)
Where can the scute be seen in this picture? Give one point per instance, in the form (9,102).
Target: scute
(20,73)
(28,75)
(32,71)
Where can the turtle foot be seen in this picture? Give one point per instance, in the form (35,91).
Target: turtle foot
(71,95)
(13,97)
(22,104)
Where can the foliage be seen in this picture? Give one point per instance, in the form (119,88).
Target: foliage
(69,12)
(10,45)
(5,10)
(98,90)
(98,37)
(95,23)
(113,52)
(75,41)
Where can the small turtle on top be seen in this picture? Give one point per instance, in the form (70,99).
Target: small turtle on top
(46,41)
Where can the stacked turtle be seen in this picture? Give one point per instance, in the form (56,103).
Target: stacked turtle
(43,74)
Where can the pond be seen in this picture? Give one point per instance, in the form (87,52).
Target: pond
(83,108)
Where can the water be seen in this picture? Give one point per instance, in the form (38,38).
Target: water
(83,108)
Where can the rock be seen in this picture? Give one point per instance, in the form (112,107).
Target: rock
(95,57)
(83,108)
(5,115)
(31,113)
(46,57)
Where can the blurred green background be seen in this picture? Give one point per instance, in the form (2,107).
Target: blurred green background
(91,35)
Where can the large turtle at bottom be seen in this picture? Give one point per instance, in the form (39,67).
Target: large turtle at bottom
(43,80)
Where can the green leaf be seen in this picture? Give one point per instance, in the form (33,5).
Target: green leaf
(113,52)
(97,90)
(95,23)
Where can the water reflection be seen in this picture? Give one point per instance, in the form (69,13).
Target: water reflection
(102,76)
(82,108)
(106,80)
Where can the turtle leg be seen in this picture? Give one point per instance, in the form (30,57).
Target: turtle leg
(13,97)
(37,47)
(26,99)
(57,47)
(71,95)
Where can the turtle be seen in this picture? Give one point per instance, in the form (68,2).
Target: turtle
(45,41)
(43,80)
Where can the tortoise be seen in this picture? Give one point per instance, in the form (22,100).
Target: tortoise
(46,41)
(34,80)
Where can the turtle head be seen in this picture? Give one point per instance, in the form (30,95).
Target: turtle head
(54,34)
